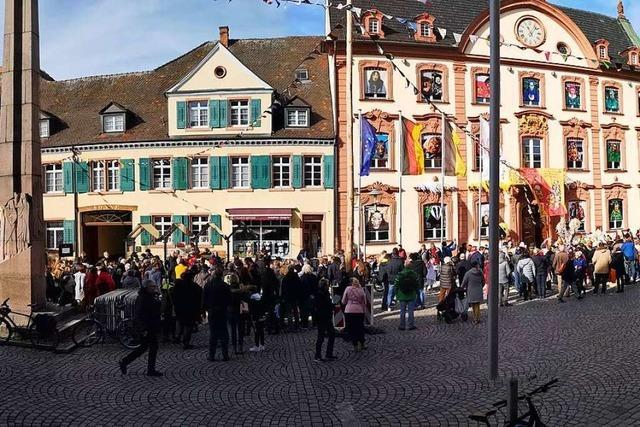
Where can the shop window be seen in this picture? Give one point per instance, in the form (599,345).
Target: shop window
(575,153)
(252,236)
(482,88)
(577,210)
(53,178)
(531,92)
(612,99)
(377,223)
(531,153)
(616,214)
(435,221)
(55,234)
(432,146)
(613,154)
(572,96)
(380,158)
(200,172)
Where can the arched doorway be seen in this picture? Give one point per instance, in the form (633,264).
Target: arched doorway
(531,225)
(105,231)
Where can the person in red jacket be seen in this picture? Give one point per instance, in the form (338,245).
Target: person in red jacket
(90,288)
(104,281)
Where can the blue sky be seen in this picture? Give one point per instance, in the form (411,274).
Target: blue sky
(89,37)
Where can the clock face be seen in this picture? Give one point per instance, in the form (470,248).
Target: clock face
(530,32)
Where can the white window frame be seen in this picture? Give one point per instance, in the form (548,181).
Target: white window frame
(196,224)
(425,30)
(113,175)
(240,172)
(302,74)
(616,225)
(57,228)
(198,114)
(312,168)
(281,166)
(432,163)
(297,117)
(434,231)
(603,52)
(98,174)
(528,155)
(113,123)
(162,223)
(374,26)
(199,175)
(613,165)
(378,235)
(53,178)
(238,109)
(574,165)
(634,58)
(161,174)
(45,128)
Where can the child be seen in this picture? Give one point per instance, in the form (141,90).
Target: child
(431,273)
(258,318)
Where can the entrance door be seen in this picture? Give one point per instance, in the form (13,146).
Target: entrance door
(311,240)
(531,232)
(105,231)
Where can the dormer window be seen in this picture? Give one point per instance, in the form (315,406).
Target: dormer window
(374,26)
(302,74)
(114,118)
(603,52)
(424,28)
(45,128)
(372,20)
(633,58)
(602,49)
(297,117)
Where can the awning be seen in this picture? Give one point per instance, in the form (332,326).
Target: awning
(259,214)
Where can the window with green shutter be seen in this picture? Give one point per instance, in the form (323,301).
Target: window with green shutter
(127,175)
(181,113)
(145,174)
(224,107)
(214,113)
(180,173)
(214,172)
(216,238)
(328,169)
(69,231)
(296,176)
(82,177)
(145,237)
(178,235)
(224,173)
(256,112)
(67,177)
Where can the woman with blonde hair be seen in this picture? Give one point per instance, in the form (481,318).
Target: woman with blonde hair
(355,303)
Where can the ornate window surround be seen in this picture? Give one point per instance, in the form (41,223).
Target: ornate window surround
(583,94)
(387,198)
(430,198)
(616,85)
(534,124)
(605,43)
(384,123)
(382,65)
(432,123)
(475,71)
(617,190)
(373,14)
(422,19)
(441,68)
(615,132)
(581,192)
(576,128)
(543,88)
(475,130)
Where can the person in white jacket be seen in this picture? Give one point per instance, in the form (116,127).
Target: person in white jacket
(79,276)
(527,272)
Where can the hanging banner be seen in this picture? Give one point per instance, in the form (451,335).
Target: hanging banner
(548,188)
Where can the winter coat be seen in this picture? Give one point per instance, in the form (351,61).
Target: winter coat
(542,265)
(187,300)
(393,268)
(419,268)
(504,269)
(601,261)
(291,287)
(354,300)
(148,309)
(617,263)
(527,269)
(407,285)
(473,283)
(130,282)
(559,260)
(308,288)
(270,285)
(334,273)
(461,269)
(447,276)
(323,306)
(216,298)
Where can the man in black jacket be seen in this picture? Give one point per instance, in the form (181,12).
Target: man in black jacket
(216,299)
(394,266)
(147,319)
(324,319)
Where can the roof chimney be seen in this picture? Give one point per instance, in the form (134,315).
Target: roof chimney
(224,36)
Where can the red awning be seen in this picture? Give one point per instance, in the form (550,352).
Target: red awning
(259,214)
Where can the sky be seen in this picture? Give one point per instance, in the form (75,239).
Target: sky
(91,37)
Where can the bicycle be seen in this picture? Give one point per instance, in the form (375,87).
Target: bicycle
(41,328)
(90,330)
(530,418)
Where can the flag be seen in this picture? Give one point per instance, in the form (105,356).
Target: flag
(453,164)
(484,149)
(547,186)
(368,141)
(413,151)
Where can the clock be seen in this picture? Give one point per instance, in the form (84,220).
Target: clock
(530,31)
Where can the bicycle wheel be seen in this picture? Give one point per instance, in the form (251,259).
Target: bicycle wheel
(6,331)
(44,334)
(127,334)
(87,332)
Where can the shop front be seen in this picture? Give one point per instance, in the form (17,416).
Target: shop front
(256,230)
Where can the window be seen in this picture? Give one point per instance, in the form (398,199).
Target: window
(572,96)
(531,153)
(432,146)
(240,172)
(531,92)
(575,153)
(312,171)
(434,222)
(380,157)
(563,49)
(200,172)
(425,30)
(161,174)
(113,122)
(113,175)
(199,223)
(281,171)
(297,117)
(616,215)
(53,178)
(431,85)
(376,223)
(198,114)
(477,155)
(613,154)
(602,51)
(611,99)
(44,128)
(250,237)
(105,175)
(163,224)
(239,113)
(577,210)
(375,83)
(483,88)
(302,74)
(98,175)
(484,220)
(55,234)
(220,71)
(634,58)
(374,26)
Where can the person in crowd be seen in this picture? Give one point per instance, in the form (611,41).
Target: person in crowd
(324,321)
(418,267)
(569,277)
(79,277)
(527,272)
(258,318)
(541,263)
(130,280)
(155,273)
(270,295)
(291,289)
(180,268)
(393,267)
(239,301)
(187,299)
(354,301)
(447,278)
(601,261)
(462,267)
(307,294)
(406,288)
(560,260)
(104,281)
(90,288)
(147,320)
(335,271)
(580,267)
(504,278)
(216,300)
(630,255)
(473,283)
(618,264)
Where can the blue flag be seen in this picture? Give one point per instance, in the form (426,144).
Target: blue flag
(368,141)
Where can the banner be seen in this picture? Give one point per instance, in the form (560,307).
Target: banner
(484,150)
(412,146)
(548,188)
(453,162)
(368,141)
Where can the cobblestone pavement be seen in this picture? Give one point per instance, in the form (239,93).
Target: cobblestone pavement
(435,375)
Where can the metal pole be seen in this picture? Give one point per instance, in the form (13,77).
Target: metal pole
(76,219)
(512,400)
(443,151)
(494,189)
(362,239)
(401,171)
(349,138)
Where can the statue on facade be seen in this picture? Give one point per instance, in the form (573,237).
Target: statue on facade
(15,231)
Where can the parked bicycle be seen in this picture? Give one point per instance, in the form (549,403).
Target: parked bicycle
(530,418)
(91,330)
(41,328)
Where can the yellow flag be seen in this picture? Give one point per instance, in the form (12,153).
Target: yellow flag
(461,167)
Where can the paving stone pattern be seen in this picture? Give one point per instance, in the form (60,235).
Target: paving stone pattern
(435,375)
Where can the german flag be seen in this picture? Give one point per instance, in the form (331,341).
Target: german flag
(413,151)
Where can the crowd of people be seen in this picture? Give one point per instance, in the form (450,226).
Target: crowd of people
(257,296)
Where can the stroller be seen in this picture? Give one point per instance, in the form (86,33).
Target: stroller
(453,306)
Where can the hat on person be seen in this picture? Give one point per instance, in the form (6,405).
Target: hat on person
(522,245)
(447,259)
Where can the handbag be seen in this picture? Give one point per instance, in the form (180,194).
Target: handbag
(613,277)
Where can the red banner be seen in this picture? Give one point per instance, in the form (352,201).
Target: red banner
(548,188)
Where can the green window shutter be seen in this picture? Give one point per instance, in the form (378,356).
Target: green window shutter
(180,168)
(214,113)
(296,176)
(181,109)
(145,237)
(224,173)
(214,172)
(127,175)
(82,177)
(145,174)
(178,236)
(69,231)
(224,107)
(327,171)
(254,161)
(67,177)
(215,237)
(265,168)
(256,112)
(260,172)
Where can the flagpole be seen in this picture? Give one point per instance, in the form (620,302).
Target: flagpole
(362,238)
(349,137)
(479,211)
(443,150)
(400,169)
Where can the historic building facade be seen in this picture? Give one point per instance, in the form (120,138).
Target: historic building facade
(233,137)
(570,100)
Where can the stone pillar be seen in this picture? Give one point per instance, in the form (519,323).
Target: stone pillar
(22,254)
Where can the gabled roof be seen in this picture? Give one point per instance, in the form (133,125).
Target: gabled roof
(298,102)
(113,107)
(77,103)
